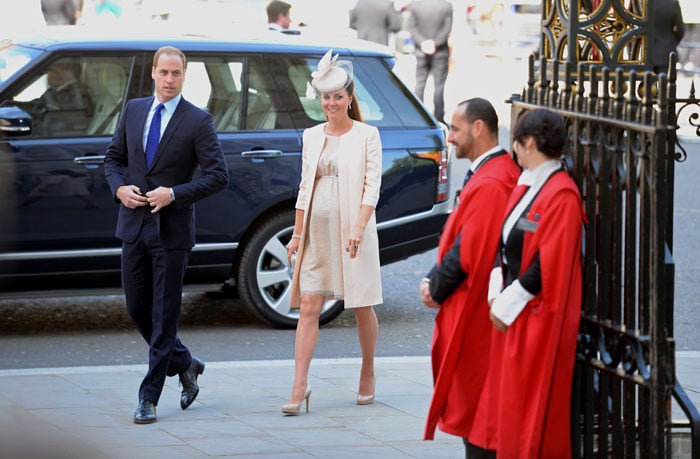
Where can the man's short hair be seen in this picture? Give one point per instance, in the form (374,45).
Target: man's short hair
(169,50)
(478,108)
(275,8)
(74,68)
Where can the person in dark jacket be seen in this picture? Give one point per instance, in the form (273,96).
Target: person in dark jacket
(668,32)
(535,289)
(159,144)
(458,282)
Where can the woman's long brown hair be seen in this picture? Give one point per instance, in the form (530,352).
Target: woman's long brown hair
(354,109)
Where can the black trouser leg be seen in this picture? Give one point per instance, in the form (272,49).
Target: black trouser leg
(153,287)
(477,452)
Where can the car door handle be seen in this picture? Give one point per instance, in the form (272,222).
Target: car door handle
(87,160)
(262,154)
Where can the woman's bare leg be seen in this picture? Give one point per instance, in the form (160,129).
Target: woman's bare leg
(305,343)
(368,334)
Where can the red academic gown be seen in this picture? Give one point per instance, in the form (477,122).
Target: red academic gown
(460,341)
(524,411)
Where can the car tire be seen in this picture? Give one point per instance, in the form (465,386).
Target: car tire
(264,276)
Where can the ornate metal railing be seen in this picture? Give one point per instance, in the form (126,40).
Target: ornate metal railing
(622,127)
(613,33)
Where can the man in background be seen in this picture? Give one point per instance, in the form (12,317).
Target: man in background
(668,32)
(374,20)
(65,92)
(430,24)
(59,12)
(66,105)
(278,17)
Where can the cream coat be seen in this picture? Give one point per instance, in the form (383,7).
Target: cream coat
(359,179)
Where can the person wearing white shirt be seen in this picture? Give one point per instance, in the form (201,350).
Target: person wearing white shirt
(535,296)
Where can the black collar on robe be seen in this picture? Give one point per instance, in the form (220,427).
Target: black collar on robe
(471,172)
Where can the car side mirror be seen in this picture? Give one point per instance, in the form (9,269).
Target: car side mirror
(15,122)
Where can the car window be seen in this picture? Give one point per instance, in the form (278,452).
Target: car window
(300,77)
(229,86)
(75,96)
(381,95)
(214,84)
(261,112)
(196,87)
(107,79)
(377,84)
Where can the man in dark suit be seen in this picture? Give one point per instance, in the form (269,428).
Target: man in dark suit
(430,24)
(154,181)
(668,32)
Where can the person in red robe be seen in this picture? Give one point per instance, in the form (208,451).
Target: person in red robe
(535,297)
(458,283)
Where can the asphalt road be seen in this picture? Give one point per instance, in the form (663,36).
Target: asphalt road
(95,330)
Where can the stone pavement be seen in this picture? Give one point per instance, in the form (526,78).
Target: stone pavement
(86,412)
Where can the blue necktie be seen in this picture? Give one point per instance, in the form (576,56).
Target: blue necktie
(153,136)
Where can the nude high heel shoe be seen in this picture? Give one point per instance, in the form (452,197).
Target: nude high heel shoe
(293,409)
(366,399)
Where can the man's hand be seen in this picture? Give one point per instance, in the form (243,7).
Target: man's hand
(426,298)
(131,196)
(498,323)
(159,198)
(428,47)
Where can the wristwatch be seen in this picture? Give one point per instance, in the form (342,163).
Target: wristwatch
(172,195)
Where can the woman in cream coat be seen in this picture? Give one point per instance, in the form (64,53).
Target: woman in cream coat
(335,234)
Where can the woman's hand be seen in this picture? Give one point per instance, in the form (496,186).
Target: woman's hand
(354,242)
(292,247)
(352,246)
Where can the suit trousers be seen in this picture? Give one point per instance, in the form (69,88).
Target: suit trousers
(477,452)
(152,275)
(438,66)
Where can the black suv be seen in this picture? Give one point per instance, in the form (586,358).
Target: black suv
(57,215)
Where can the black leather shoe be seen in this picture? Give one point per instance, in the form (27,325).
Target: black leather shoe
(145,413)
(188,379)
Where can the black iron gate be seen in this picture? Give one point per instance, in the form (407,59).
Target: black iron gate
(622,125)
(621,153)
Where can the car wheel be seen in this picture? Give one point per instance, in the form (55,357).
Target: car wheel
(265,276)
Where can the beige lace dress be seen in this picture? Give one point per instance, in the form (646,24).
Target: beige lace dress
(321,270)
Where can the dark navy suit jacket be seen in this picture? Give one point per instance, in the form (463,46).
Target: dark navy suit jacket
(189,141)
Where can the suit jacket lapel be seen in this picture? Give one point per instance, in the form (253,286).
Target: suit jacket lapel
(172,126)
(138,124)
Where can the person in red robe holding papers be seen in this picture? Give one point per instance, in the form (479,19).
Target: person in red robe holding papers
(458,283)
(535,298)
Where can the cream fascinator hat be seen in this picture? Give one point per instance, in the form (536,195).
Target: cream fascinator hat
(332,74)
